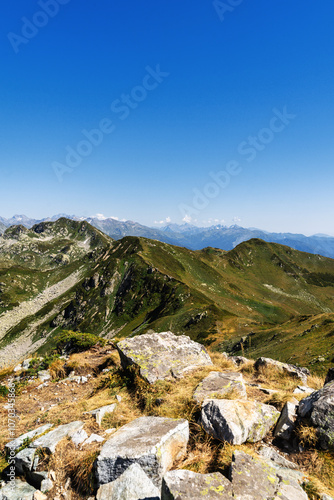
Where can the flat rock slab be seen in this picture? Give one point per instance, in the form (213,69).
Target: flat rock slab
(254,479)
(19,490)
(133,484)
(188,485)
(18,442)
(220,384)
(50,440)
(292,370)
(155,443)
(319,409)
(163,355)
(237,421)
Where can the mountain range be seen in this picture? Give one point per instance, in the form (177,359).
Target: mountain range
(190,236)
(69,275)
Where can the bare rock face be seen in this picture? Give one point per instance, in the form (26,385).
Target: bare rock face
(220,384)
(163,355)
(154,443)
(133,484)
(319,408)
(292,370)
(189,485)
(237,421)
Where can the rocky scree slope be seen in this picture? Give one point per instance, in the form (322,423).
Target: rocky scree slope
(99,426)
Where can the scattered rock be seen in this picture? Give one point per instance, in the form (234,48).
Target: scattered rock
(319,409)
(26,363)
(18,368)
(164,355)
(237,421)
(222,384)
(93,438)
(239,360)
(303,389)
(133,484)
(79,437)
(44,375)
(286,422)
(50,440)
(188,485)
(99,413)
(155,443)
(38,495)
(292,370)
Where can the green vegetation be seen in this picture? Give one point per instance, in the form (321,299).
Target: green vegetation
(76,341)
(269,293)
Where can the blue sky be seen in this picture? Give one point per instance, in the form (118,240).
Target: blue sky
(182,94)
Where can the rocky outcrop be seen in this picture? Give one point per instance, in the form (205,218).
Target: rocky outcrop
(221,384)
(292,370)
(133,484)
(163,355)
(237,421)
(319,409)
(155,443)
(188,485)
(286,422)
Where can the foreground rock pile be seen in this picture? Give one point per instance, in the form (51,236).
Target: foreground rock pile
(141,459)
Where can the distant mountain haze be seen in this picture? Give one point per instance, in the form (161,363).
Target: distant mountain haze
(190,236)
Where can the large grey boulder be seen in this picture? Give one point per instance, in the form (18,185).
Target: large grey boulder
(220,384)
(188,485)
(163,355)
(18,442)
(255,479)
(319,409)
(237,421)
(155,443)
(286,422)
(133,484)
(292,370)
(50,440)
(17,490)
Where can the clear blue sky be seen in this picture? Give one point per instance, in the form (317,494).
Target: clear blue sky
(227,68)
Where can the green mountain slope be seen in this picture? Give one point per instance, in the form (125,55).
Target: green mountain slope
(69,275)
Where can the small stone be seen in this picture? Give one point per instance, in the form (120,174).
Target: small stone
(99,413)
(93,438)
(286,422)
(79,437)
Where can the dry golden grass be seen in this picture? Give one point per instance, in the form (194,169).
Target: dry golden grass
(319,466)
(278,399)
(307,435)
(220,361)
(315,382)
(57,369)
